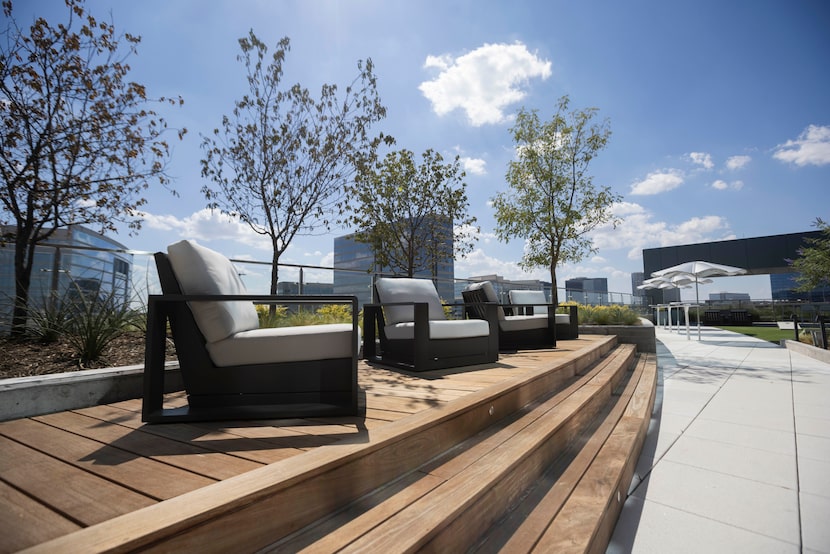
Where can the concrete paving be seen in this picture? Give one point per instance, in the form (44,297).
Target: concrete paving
(737,458)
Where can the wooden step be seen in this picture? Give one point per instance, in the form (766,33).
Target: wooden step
(575,505)
(451,501)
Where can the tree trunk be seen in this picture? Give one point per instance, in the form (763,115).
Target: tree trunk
(275,271)
(554,290)
(275,274)
(23,256)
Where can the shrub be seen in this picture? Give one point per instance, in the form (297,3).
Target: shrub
(97,320)
(280,316)
(336,313)
(49,322)
(271,316)
(608,315)
(805,336)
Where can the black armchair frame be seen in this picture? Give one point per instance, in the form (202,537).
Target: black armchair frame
(423,353)
(570,330)
(261,391)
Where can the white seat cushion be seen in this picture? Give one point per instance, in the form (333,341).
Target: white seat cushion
(524,322)
(443,329)
(563,318)
(201,270)
(391,290)
(284,344)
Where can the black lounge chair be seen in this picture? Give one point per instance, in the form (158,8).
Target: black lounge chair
(231,369)
(530,302)
(517,329)
(407,329)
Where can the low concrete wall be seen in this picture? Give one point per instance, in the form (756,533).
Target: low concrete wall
(642,335)
(808,350)
(44,394)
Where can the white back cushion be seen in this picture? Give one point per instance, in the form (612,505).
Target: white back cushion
(201,270)
(407,290)
(536,297)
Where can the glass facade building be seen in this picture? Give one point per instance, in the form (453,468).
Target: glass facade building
(783,287)
(354,268)
(61,270)
(587,290)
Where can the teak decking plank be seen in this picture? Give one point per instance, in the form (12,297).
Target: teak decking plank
(187,456)
(210,439)
(26,522)
(64,488)
(150,477)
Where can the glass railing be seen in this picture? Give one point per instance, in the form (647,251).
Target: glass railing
(132,273)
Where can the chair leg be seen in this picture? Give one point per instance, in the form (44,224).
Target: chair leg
(154,354)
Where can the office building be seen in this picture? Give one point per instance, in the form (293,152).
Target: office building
(73,261)
(587,290)
(783,287)
(728,296)
(355,267)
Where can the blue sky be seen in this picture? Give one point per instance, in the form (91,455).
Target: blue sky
(719,110)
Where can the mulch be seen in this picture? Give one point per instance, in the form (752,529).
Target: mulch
(28,357)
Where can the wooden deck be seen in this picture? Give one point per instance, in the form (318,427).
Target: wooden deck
(97,479)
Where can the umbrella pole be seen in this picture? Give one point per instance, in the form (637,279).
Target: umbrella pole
(697,307)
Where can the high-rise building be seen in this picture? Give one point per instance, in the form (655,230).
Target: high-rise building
(783,287)
(587,290)
(727,296)
(637,279)
(73,261)
(354,268)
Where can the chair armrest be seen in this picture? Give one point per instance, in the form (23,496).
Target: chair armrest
(257,298)
(524,308)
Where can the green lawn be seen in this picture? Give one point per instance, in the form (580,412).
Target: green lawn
(771,334)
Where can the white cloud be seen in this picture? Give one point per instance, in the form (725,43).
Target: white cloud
(483,82)
(702,159)
(723,185)
(207,225)
(474,166)
(811,148)
(737,162)
(658,182)
(625,209)
(478,263)
(639,230)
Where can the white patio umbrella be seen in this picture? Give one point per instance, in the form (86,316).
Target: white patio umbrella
(694,272)
(676,282)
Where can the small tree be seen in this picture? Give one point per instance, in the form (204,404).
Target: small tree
(78,144)
(410,213)
(813,262)
(552,202)
(281,160)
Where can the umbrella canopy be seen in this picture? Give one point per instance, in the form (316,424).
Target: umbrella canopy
(683,280)
(700,269)
(695,272)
